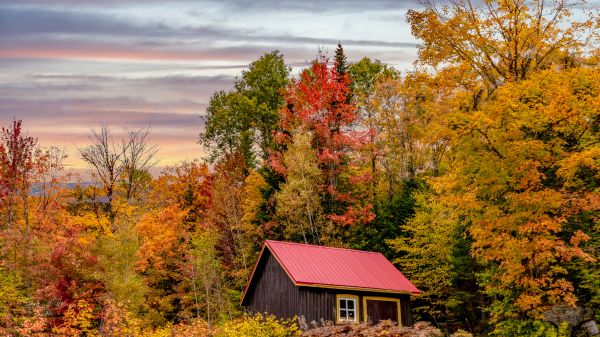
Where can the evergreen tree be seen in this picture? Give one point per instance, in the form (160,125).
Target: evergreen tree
(341,62)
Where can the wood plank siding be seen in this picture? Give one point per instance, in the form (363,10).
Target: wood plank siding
(272,291)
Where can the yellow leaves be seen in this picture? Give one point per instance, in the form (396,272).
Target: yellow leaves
(259,326)
(572,164)
(252,196)
(78,320)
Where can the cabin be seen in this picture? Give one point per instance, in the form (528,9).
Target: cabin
(319,283)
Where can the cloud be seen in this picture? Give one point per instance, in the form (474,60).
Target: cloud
(67,66)
(27,24)
(73,111)
(24,21)
(317,6)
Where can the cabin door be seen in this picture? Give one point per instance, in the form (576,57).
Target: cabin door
(381,309)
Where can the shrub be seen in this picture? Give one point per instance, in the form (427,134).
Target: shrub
(461,333)
(383,329)
(258,326)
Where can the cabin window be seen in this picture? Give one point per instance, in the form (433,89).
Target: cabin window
(347,308)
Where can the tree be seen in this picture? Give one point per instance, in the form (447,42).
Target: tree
(341,62)
(160,260)
(364,75)
(244,118)
(317,103)
(119,163)
(409,136)
(525,172)
(21,163)
(510,103)
(225,216)
(262,84)
(499,41)
(298,202)
(434,253)
(106,159)
(227,126)
(178,205)
(138,160)
(208,279)
(552,147)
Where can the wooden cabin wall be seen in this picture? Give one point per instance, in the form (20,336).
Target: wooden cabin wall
(273,292)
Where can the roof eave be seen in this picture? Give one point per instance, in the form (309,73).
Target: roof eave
(376,290)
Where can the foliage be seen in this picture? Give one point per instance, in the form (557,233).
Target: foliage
(317,104)
(527,328)
(298,201)
(12,299)
(392,213)
(477,173)
(259,326)
(497,41)
(382,329)
(245,117)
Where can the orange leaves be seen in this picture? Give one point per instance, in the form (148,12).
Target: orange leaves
(159,232)
(187,186)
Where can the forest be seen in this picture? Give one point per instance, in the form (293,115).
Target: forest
(477,173)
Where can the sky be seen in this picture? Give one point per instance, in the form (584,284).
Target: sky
(70,66)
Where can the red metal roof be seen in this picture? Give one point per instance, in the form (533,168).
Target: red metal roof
(310,265)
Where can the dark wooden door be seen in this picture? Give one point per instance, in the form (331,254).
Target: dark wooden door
(381,310)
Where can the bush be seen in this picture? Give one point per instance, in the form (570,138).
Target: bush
(258,326)
(383,329)
(461,333)
(517,328)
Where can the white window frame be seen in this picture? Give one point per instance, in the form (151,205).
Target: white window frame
(347,298)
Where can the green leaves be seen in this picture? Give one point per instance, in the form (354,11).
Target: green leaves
(244,118)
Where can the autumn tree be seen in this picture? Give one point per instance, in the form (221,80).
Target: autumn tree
(209,281)
(178,202)
(532,180)
(499,69)
(434,254)
(364,75)
(25,170)
(237,241)
(317,103)
(494,42)
(299,207)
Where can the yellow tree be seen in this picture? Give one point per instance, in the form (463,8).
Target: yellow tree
(516,109)
(497,41)
(298,202)
(522,184)
(409,134)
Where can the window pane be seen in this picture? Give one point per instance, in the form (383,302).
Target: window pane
(351,314)
(343,314)
(343,304)
(350,304)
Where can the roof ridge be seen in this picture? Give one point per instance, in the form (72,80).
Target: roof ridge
(325,247)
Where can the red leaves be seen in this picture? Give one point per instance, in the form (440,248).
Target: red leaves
(317,103)
(16,159)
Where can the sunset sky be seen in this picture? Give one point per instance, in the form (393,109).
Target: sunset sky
(72,65)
